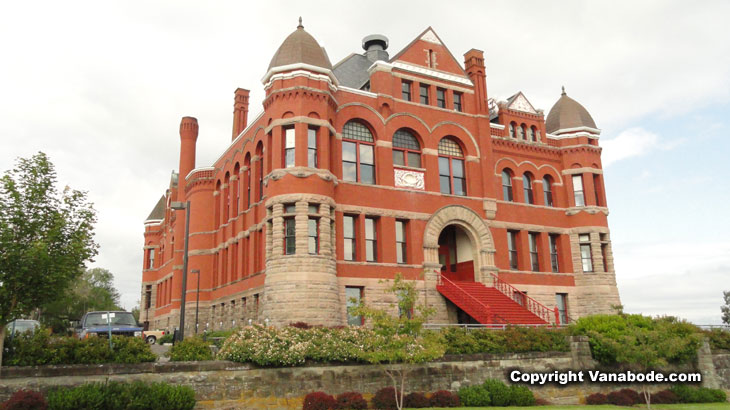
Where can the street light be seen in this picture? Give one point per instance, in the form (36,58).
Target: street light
(197,299)
(177,205)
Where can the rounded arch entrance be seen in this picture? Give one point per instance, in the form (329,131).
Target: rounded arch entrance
(462,221)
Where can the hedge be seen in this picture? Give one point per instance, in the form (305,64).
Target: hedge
(114,395)
(509,340)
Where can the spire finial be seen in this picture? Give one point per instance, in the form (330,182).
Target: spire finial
(300,23)
(563,93)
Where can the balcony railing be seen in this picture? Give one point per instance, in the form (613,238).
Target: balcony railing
(537,308)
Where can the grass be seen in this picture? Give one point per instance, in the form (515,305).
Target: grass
(705,406)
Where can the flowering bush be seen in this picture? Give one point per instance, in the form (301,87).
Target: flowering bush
(319,401)
(292,346)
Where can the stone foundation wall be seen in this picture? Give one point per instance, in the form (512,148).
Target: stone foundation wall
(228,385)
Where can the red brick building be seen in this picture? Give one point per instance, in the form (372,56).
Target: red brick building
(378,165)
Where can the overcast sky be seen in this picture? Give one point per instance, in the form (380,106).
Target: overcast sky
(101,86)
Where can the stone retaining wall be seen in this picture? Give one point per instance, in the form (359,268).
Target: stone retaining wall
(228,385)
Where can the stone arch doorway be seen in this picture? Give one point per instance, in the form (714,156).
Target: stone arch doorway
(465,224)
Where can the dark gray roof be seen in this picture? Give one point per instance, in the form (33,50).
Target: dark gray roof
(352,71)
(568,113)
(159,210)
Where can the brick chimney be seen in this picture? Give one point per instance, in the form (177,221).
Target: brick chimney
(240,112)
(474,65)
(188,138)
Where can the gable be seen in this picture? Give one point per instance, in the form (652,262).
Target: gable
(427,50)
(519,102)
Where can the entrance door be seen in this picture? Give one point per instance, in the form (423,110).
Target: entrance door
(455,254)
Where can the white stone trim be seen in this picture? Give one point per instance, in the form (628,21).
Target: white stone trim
(151,222)
(385,66)
(356,91)
(299,69)
(496,126)
(198,169)
(575,132)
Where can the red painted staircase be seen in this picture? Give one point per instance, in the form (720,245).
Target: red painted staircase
(492,305)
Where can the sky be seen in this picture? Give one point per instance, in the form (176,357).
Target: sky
(101,87)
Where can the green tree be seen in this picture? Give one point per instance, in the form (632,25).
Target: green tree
(400,340)
(726,308)
(93,290)
(46,236)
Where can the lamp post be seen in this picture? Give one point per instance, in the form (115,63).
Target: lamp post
(177,205)
(197,299)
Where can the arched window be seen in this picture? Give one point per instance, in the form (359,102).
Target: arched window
(527,188)
(218,203)
(260,168)
(452,176)
(547,190)
(247,164)
(226,197)
(512,129)
(358,153)
(236,189)
(531,134)
(521,132)
(507,185)
(406,149)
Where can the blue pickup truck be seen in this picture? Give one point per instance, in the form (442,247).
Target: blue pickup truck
(97,324)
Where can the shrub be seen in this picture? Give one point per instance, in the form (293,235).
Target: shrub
(167,338)
(633,395)
(499,393)
(444,398)
(521,396)
(190,349)
(319,401)
(114,395)
(416,400)
(41,348)
(596,399)
(664,397)
(385,399)
(301,325)
(25,400)
(672,340)
(541,402)
(718,338)
(512,339)
(474,396)
(689,394)
(351,401)
(623,398)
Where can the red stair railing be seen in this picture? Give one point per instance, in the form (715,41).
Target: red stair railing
(491,317)
(537,308)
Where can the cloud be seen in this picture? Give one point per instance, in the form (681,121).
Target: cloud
(629,143)
(682,279)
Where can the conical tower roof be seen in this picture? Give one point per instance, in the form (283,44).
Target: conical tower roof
(300,47)
(568,113)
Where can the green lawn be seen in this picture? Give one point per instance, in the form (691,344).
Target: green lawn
(708,406)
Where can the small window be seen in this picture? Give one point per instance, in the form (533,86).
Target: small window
(554,252)
(534,256)
(289,147)
(348,227)
(400,242)
(521,132)
(512,248)
(597,189)
(547,191)
(313,235)
(533,134)
(527,188)
(312,148)
(423,93)
(353,295)
(507,186)
(406,90)
(578,190)
(586,255)
(452,175)
(512,129)
(604,251)
(371,240)
(313,209)
(441,98)
(457,102)
(150,259)
(290,240)
(406,149)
